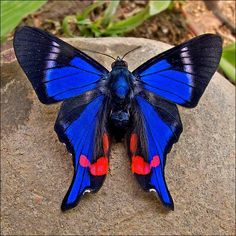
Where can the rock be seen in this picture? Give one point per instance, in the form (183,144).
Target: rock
(36,168)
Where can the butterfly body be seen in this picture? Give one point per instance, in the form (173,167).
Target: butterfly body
(120,93)
(98,104)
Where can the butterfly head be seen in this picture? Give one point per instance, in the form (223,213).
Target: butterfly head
(119,63)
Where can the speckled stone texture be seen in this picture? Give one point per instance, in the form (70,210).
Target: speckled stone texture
(36,169)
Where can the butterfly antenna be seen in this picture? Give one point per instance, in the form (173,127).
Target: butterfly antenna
(104,54)
(130,51)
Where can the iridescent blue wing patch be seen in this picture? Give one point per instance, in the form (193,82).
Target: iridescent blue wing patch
(81,125)
(181,74)
(156,127)
(56,70)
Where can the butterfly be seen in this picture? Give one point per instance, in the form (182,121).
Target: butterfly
(99,105)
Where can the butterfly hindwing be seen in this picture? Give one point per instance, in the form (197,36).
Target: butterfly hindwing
(181,74)
(156,127)
(56,70)
(81,125)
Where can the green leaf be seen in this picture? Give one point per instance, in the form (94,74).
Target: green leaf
(85,26)
(109,13)
(84,22)
(85,30)
(96,31)
(227,62)
(156,7)
(153,8)
(128,23)
(12,13)
(66,25)
(88,9)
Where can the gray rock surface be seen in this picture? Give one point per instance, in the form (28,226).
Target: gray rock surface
(36,169)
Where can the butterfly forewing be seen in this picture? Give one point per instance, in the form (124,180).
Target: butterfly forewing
(181,74)
(56,70)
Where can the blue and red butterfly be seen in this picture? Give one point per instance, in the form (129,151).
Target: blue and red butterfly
(98,104)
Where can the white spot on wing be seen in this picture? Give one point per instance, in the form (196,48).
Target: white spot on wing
(184,54)
(186,59)
(53,55)
(50,64)
(152,190)
(184,49)
(55,44)
(86,191)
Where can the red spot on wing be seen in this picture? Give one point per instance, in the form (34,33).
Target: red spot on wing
(105,141)
(100,167)
(155,161)
(139,166)
(84,161)
(133,143)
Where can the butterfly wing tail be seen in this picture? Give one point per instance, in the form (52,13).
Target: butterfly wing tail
(157,180)
(156,127)
(81,125)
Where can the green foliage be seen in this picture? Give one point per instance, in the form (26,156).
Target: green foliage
(156,7)
(109,13)
(107,24)
(12,13)
(227,62)
(120,27)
